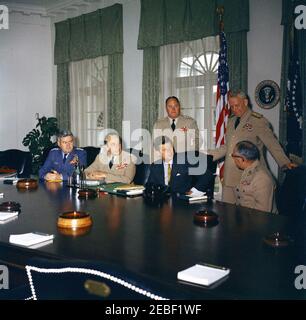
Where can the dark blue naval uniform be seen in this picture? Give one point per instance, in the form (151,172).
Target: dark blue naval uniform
(55,161)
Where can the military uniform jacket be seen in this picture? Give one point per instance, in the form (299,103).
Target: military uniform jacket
(252,127)
(55,162)
(256,188)
(185,137)
(122,170)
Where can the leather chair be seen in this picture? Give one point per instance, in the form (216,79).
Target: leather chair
(142,167)
(73,280)
(92,153)
(291,195)
(19,160)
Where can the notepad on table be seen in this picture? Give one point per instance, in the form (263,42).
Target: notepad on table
(192,198)
(30,239)
(203,274)
(4,216)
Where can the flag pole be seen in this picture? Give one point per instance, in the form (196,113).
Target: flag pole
(220,13)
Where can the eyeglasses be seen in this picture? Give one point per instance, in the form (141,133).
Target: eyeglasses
(236,156)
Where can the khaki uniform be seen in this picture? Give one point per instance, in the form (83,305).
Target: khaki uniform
(256,188)
(123,169)
(185,137)
(255,128)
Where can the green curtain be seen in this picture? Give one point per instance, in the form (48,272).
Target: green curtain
(287,21)
(62,97)
(150,87)
(89,36)
(172,21)
(237,52)
(115,92)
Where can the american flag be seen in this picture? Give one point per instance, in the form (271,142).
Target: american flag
(293,103)
(222,109)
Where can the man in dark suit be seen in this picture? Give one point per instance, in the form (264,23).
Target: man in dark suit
(181,172)
(61,161)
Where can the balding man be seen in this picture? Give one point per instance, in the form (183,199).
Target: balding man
(256,187)
(112,164)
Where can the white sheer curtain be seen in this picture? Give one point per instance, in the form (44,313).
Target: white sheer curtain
(188,70)
(88,100)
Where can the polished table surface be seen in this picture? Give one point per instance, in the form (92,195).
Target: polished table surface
(157,242)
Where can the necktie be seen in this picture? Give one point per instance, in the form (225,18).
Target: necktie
(237,122)
(173,124)
(111,163)
(65,158)
(169,173)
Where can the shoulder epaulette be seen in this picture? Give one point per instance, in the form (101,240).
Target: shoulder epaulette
(257,115)
(54,149)
(79,149)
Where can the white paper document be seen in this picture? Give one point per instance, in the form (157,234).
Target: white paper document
(4,216)
(203,274)
(30,239)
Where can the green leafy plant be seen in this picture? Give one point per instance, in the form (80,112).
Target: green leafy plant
(39,139)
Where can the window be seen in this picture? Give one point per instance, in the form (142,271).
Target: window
(88,100)
(189,71)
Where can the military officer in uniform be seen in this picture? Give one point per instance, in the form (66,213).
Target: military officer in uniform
(244,124)
(113,164)
(182,130)
(256,187)
(60,162)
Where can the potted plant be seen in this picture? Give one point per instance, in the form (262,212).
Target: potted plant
(39,139)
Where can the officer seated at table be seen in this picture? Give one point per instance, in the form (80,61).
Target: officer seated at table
(61,161)
(181,173)
(112,164)
(256,187)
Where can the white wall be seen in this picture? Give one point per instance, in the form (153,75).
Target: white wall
(25,77)
(265,55)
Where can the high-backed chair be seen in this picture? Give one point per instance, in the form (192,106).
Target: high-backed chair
(92,153)
(291,195)
(73,280)
(19,160)
(142,167)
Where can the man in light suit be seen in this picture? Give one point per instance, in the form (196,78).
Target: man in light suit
(181,173)
(182,130)
(61,161)
(244,124)
(112,164)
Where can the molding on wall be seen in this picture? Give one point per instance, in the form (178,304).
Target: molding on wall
(54,10)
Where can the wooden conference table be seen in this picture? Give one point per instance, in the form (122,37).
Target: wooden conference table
(157,242)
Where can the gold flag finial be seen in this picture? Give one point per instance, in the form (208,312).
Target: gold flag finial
(220,12)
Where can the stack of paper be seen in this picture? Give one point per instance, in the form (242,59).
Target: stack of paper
(203,274)
(7,216)
(31,239)
(129,187)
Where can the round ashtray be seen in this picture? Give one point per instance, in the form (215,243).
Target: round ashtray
(10,206)
(28,184)
(74,220)
(75,232)
(206,218)
(87,194)
(277,240)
